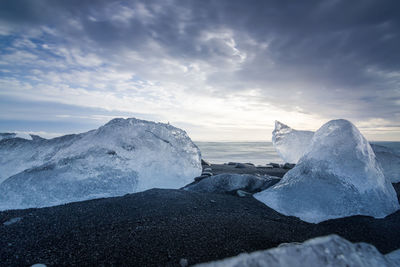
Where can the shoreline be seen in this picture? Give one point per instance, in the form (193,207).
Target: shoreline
(248,169)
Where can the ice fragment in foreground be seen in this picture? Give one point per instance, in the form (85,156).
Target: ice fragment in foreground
(330,251)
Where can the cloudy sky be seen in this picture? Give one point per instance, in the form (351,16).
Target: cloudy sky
(220,69)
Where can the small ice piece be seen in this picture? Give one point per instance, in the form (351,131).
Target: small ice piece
(123,156)
(336,177)
(289,143)
(12,220)
(329,251)
(183,262)
(228,182)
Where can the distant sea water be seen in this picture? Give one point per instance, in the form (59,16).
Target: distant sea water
(395,146)
(259,153)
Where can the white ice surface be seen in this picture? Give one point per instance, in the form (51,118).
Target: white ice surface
(329,251)
(123,156)
(336,177)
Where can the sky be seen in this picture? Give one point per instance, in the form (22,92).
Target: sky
(223,70)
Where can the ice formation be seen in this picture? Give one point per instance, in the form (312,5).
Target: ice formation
(326,251)
(123,156)
(289,143)
(228,182)
(336,177)
(394,257)
(7,135)
(389,161)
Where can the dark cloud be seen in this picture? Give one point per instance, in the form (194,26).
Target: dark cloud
(334,58)
(310,33)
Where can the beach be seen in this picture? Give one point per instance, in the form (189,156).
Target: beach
(169,227)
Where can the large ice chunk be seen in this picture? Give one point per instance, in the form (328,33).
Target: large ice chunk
(289,143)
(326,251)
(228,182)
(337,176)
(123,156)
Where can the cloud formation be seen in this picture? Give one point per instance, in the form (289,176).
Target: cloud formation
(220,69)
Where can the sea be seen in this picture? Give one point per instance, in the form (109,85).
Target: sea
(259,153)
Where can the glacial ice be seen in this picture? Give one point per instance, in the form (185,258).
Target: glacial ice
(123,156)
(336,177)
(329,251)
(7,135)
(228,182)
(291,144)
(394,257)
(389,161)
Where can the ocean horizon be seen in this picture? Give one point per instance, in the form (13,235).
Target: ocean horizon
(259,153)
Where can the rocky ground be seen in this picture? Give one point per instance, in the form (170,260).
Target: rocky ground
(246,169)
(168,227)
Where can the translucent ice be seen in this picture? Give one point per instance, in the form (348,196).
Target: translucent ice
(389,161)
(123,156)
(289,143)
(337,176)
(329,251)
(394,257)
(7,136)
(228,182)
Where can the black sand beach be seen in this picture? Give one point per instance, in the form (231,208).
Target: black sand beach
(249,169)
(160,227)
